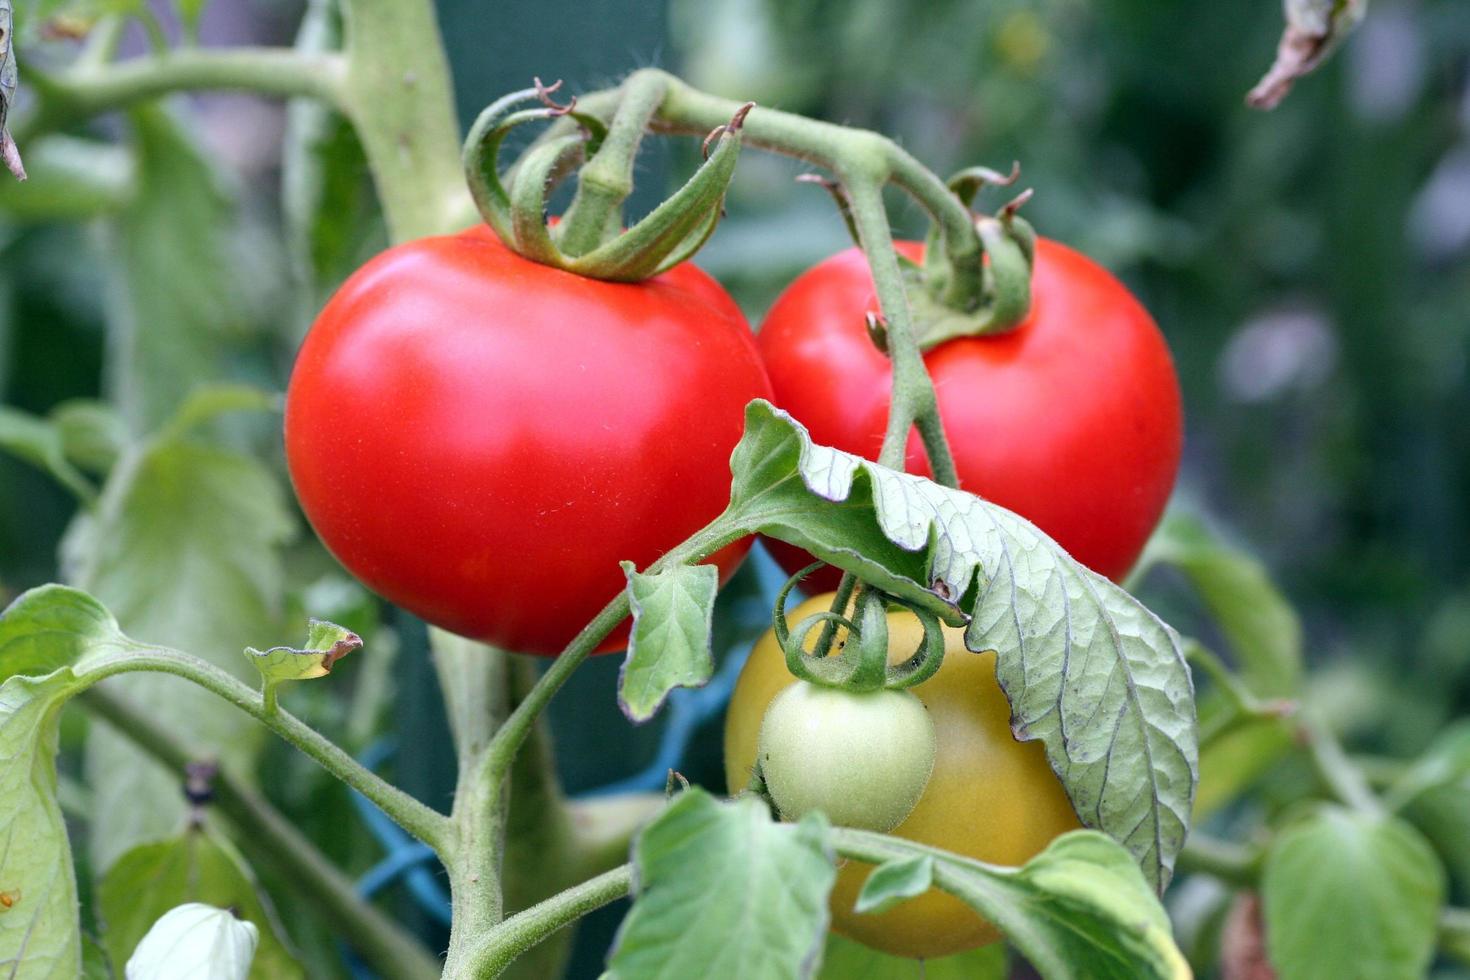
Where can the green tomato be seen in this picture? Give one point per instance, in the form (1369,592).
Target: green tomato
(863,759)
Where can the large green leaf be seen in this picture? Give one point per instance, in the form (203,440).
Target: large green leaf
(669,647)
(53,643)
(1088,670)
(184,547)
(1351,896)
(1079,910)
(1445,763)
(195,866)
(724,891)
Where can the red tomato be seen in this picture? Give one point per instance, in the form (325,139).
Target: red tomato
(481,439)
(1071,420)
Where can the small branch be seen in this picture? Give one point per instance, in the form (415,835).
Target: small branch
(513,734)
(76,95)
(269,835)
(1235,864)
(1343,779)
(913,391)
(422,821)
(497,948)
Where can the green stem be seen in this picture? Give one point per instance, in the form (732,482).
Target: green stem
(94,88)
(422,821)
(1235,864)
(270,837)
(398,94)
(913,399)
(1343,779)
(512,735)
(495,950)
(605,181)
(474,681)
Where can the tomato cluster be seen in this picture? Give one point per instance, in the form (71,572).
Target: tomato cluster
(482,439)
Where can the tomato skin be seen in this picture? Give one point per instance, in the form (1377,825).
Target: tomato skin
(863,759)
(1072,420)
(481,439)
(989,797)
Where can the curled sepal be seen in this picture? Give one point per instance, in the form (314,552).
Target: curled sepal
(926,660)
(481,153)
(326,643)
(9,81)
(676,229)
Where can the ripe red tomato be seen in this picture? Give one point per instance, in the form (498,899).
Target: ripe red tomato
(481,439)
(1072,420)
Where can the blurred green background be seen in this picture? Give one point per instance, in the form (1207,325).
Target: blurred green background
(1309,267)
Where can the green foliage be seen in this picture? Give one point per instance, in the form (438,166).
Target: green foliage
(724,891)
(673,620)
(1079,910)
(185,547)
(1088,670)
(326,643)
(196,866)
(1351,896)
(53,642)
(844,959)
(895,881)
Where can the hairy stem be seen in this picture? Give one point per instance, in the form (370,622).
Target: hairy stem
(96,87)
(495,950)
(398,94)
(422,821)
(270,837)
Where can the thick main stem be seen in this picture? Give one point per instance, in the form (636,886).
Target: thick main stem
(398,94)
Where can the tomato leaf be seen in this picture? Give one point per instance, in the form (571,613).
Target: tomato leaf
(1079,910)
(195,866)
(181,284)
(41,444)
(845,959)
(1445,763)
(723,890)
(894,882)
(1261,627)
(673,620)
(184,547)
(1351,895)
(51,640)
(326,643)
(1088,670)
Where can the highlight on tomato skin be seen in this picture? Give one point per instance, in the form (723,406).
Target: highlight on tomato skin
(482,439)
(988,796)
(1073,419)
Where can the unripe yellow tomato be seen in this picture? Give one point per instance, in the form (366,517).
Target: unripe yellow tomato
(989,797)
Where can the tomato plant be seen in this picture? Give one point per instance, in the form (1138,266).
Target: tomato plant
(989,797)
(1072,418)
(481,438)
(552,434)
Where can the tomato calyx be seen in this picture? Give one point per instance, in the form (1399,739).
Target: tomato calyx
(862,664)
(590,240)
(951,301)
